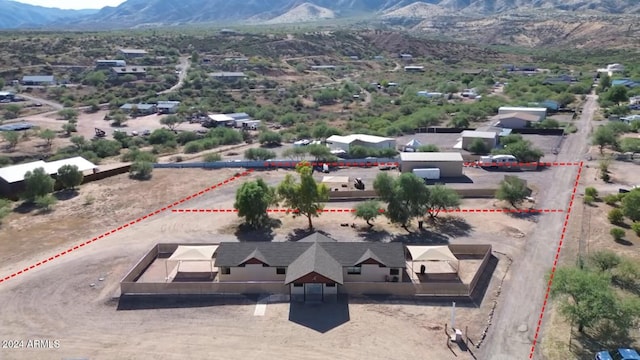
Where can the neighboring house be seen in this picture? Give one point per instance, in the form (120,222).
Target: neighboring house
(429,94)
(140,109)
(540,112)
(625,82)
(167,107)
(469,93)
(406,56)
(489,138)
(560,79)
(515,120)
(612,69)
(414,68)
(229,76)
(137,71)
(634,100)
(12,177)
(107,64)
(239,119)
(6,96)
(133,53)
(38,80)
(221,120)
(337,142)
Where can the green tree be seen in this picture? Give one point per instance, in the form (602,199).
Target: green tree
(253,199)
(604,83)
(12,137)
(605,260)
(171,121)
(586,296)
(514,190)
(478,146)
(368,211)
(68,114)
(442,198)
(45,202)
(259,154)
(270,138)
(141,170)
(428,148)
(48,136)
(631,205)
(79,141)
(406,197)
(306,197)
(626,275)
(320,153)
(617,94)
(295,153)
(69,128)
(604,136)
(37,183)
(12,111)
(69,176)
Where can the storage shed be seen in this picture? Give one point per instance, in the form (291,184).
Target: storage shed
(540,112)
(516,120)
(449,163)
(337,142)
(489,138)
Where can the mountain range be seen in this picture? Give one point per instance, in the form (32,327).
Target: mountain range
(140,13)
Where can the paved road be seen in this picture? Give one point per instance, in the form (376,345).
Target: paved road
(514,325)
(183,67)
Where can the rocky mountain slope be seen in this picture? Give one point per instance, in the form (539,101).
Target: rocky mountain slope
(17,15)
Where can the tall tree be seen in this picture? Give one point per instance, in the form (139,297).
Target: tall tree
(406,197)
(514,190)
(368,211)
(631,205)
(37,184)
(69,176)
(604,136)
(48,136)
(171,121)
(306,197)
(253,199)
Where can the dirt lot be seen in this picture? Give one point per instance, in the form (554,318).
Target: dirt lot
(589,233)
(56,301)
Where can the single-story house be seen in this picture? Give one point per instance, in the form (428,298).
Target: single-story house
(37,80)
(405,56)
(625,82)
(140,109)
(168,107)
(449,163)
(136,71)
(107,64)
(239,116)
(228,76)
(337,142)
(12,177)
(323,67)
(540,112)
(515,120)
(414,68)
(6,96)
(489,138)
(560,79)
(221,120)
(133,53)
(429,94)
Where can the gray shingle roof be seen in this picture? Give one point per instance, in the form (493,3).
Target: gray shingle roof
(368,255)
(314,260)
(256,254)
(317,237)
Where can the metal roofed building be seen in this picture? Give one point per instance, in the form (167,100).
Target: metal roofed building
(228,75)
(489,138)
(143,109)
(38,80)
(133,53)
(337,142)
(540,112)
(12,177)
(168,107)
(449,163)
(516,120)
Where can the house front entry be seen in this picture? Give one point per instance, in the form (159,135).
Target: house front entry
(313,292)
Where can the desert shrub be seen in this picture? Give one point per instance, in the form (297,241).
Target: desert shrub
(636,228)
(615,216)
(588,199)
(611,199)
(591,191)
(617,233)
(212,157)
(193,147)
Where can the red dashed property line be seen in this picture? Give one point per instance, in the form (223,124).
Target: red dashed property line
(555,261)
(77,247)
(479,163)
(198,211)
(290,164)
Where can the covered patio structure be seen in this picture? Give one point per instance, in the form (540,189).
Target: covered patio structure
(192,263)
(433,263)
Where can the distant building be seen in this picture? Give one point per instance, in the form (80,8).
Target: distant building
(323,67)
(229,76)
(107,64)
(540,112)
(221,120)
(414,68)
(168,107)
(136,71)
(140,109)
(429,94)
(38,80)
(449,163)
(133,53)
(516,120)
(489,138)
(625,82)
(337,142)
(612,69)
(6,96)
(560,79)
(406,56)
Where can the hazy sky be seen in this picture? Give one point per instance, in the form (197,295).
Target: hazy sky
(74,4)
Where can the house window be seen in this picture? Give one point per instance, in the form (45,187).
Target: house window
(281,271)
(225,270)
(330,285)
(354,270)
(297,285)
(394,271)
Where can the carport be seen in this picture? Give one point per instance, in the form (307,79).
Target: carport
(198,259)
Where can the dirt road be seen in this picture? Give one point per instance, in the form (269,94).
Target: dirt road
(514,325)
(53,104)
(183,67)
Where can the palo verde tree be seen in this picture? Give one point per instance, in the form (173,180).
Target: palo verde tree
(37,184)
(253,199)
(604,136)
(441,198)
(306,197)
(368,211)
(69,176)
(406,196)
(514,190)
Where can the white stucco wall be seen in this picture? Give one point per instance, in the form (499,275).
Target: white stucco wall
(252,272)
